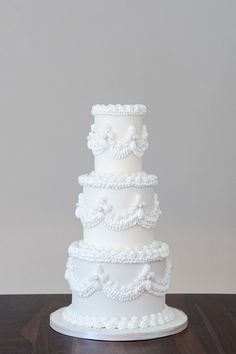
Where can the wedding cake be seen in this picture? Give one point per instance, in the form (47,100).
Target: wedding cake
(119,272)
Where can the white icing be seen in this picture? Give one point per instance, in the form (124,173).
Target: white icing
(133,322)
(121,200)
(118,109)
(102,236)
(122,274)
(101,282)
(120,125)
(155,251)
(104,213)
(106,180)
(107,140)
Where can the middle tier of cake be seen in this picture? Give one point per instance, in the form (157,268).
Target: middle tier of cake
(118,203)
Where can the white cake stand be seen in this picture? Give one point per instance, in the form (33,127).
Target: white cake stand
(178,324)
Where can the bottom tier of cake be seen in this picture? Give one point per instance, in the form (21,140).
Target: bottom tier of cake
(118,288)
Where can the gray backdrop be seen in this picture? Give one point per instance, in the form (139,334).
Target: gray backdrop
(60,57)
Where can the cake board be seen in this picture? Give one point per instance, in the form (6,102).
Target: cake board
(178,324)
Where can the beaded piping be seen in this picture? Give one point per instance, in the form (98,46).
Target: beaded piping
(137,214)
(101,282)
(134,322)
(118,109)
(157,250)
(106,140)
(101,180)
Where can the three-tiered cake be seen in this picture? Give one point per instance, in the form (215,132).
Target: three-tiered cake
(119,273)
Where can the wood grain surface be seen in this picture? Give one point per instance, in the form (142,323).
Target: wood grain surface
(24,328)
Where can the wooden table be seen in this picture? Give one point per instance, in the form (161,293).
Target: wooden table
(24,328)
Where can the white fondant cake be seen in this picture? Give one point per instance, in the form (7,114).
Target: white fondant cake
(119,273)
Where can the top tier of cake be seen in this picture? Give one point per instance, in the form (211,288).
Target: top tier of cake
(118,138)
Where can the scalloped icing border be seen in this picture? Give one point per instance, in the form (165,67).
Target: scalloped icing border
(134,143)
(157,250)
(137,214)
(99,180)
(134,322)
(100,281)
(118,109)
